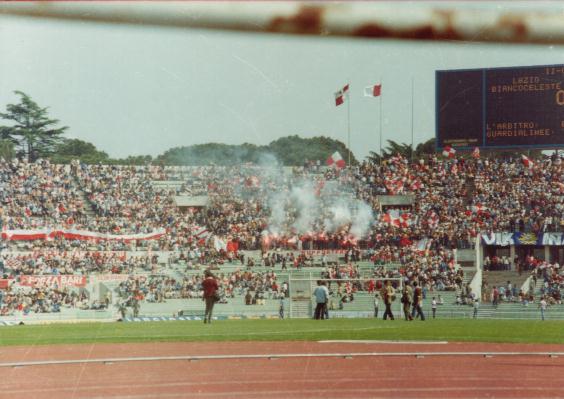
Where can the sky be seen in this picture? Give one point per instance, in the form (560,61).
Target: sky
(137,90)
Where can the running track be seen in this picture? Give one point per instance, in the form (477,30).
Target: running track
(522,376)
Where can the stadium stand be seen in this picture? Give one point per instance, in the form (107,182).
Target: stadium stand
(120,229)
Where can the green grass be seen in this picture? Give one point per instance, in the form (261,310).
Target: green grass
(514,331)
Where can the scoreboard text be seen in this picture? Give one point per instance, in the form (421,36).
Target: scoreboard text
(501,107)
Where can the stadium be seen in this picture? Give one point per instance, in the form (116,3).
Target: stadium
(304,267)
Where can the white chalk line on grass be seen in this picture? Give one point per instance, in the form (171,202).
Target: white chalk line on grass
(226,334)
(276,356)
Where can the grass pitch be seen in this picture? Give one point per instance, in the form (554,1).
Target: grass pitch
(509,331)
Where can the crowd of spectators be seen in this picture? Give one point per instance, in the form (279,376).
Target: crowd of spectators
(25,300)
(256,208)
(552,278)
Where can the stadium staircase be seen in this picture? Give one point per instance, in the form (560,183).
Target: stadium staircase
(88,207)
(515,310)
(470,187)
(450,309)
(500,278)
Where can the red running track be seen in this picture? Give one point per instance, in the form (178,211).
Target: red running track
(312,377)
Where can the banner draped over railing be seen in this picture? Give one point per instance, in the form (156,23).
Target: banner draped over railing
(59,281)
(520,238)
(71,234)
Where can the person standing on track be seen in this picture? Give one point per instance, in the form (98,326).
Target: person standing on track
(210,294)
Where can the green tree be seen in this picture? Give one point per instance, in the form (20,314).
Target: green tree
(425,148)
(392,149)
(295,150)
(133,160)
(289,151)
(69,149)
(7,150)
(31,129)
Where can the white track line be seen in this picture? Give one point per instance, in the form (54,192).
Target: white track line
(275,356)
(368,341)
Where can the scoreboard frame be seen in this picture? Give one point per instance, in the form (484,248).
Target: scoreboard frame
(480,136)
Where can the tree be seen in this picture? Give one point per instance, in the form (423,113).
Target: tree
(425,148)
(31,128)
(7,151)
(69,149)
(391,150)
(405,150)
(289,151)
(133,160)
(294,150)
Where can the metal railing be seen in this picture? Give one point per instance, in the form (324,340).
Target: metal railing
(381,20)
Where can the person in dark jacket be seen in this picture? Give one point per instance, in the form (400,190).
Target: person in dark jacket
(210,289)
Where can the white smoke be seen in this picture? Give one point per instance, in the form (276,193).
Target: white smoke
(303,210)
(305,207)
(278,216)
(362,220)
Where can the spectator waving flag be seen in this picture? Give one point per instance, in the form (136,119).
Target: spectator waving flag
(336,160)
(476,153)
(340,95)
(527,162)
(373,91)
(448,152)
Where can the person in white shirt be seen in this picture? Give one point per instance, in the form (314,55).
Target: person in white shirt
(543,305)
(434,307)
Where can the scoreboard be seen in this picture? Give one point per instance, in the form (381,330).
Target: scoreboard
(500,107)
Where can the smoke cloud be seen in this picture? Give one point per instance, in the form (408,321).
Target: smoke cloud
(307,208)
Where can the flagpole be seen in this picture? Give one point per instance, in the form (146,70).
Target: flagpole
(349,123)
(381,154)
(412,144)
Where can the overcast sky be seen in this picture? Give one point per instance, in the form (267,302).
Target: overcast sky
(135,90)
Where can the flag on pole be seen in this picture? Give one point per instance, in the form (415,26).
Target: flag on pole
(527,162)
(337,160)
(449,152)
(373,91)
(476,153)
(339,98)
(340,95)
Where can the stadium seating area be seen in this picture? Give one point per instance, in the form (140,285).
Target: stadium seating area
(120,229)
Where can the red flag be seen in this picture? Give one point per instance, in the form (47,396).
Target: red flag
(340,95)
(337,160)
(449,152)
(527,162)
(339,98)
(373,91)
(416,185)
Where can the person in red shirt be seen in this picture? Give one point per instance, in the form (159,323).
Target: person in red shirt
(210,289)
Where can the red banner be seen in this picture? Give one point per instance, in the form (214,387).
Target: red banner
(53,281)
(5,283)
(48,234)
